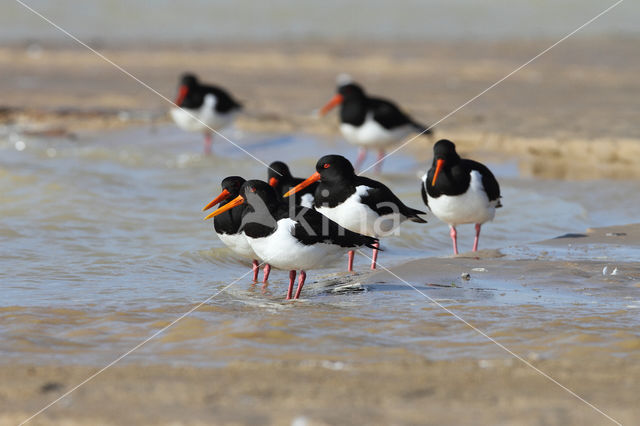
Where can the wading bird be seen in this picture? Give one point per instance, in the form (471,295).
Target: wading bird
(459,191)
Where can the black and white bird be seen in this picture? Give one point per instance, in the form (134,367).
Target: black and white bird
(356,203)
(279,176)
(227,225)
(459,191)
(201,108)
(291,237)
(370,122)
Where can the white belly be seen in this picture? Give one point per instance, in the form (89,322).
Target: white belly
(281,250)
(372,135)
(471,207)
(239,244)
(360,218)
(197,120)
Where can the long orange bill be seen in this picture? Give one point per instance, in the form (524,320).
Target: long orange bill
(439,165)
(231,204)
(302,185)
(273,182)
(182,93)
(335,101)
(223,196)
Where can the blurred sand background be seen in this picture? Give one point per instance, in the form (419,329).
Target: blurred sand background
(570,114)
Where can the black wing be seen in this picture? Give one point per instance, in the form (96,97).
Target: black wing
(382,201)
(389,115)
(488,179)
(312,227)
(225,101)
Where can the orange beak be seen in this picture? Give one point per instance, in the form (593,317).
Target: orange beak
(182,93)
(302,185)
(273,182)
(223,196)
(439,165)
(335,101)
(231,204)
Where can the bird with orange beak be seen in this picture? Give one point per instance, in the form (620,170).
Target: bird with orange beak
(279,176)
(459,191)
(356,203)
(370,122)
(227,225)
(290,237)
(203,108)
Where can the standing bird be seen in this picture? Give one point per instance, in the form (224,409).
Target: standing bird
(369,122)
(201,108)
(280,178)
(356,203)
(459,191)
(227,225)
(291,238)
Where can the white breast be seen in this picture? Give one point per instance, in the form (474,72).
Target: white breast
(371,134)
(239,244)
(194,119)
(307,201)
(471,207)
(283,251)
(360,218)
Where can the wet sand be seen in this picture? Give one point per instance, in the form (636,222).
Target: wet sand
(596,357)
(407,392)
(566,115)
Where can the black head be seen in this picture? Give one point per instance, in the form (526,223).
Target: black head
(189,80)
(232,184)
(445,150)
(278,170)
(257,194)
(334,167)
(351,91)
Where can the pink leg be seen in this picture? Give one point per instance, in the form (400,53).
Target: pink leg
(475,242)
(265,273)
(292,278)
(301,278)
(362,154)
(454,238)
(350,264)
(378,167)
(375,255)
(256,269)
(208,141)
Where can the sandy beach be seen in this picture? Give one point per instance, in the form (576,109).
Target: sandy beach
(601,367)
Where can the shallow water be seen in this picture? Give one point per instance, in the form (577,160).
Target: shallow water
(103,244)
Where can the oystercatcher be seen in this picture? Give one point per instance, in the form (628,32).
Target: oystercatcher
(370,122)
(227,225)
(355,202)
(279,177)
(202,108)
(459,191)
(291,237)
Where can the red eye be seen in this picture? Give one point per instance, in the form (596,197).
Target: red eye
(252,189)
(327,165)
